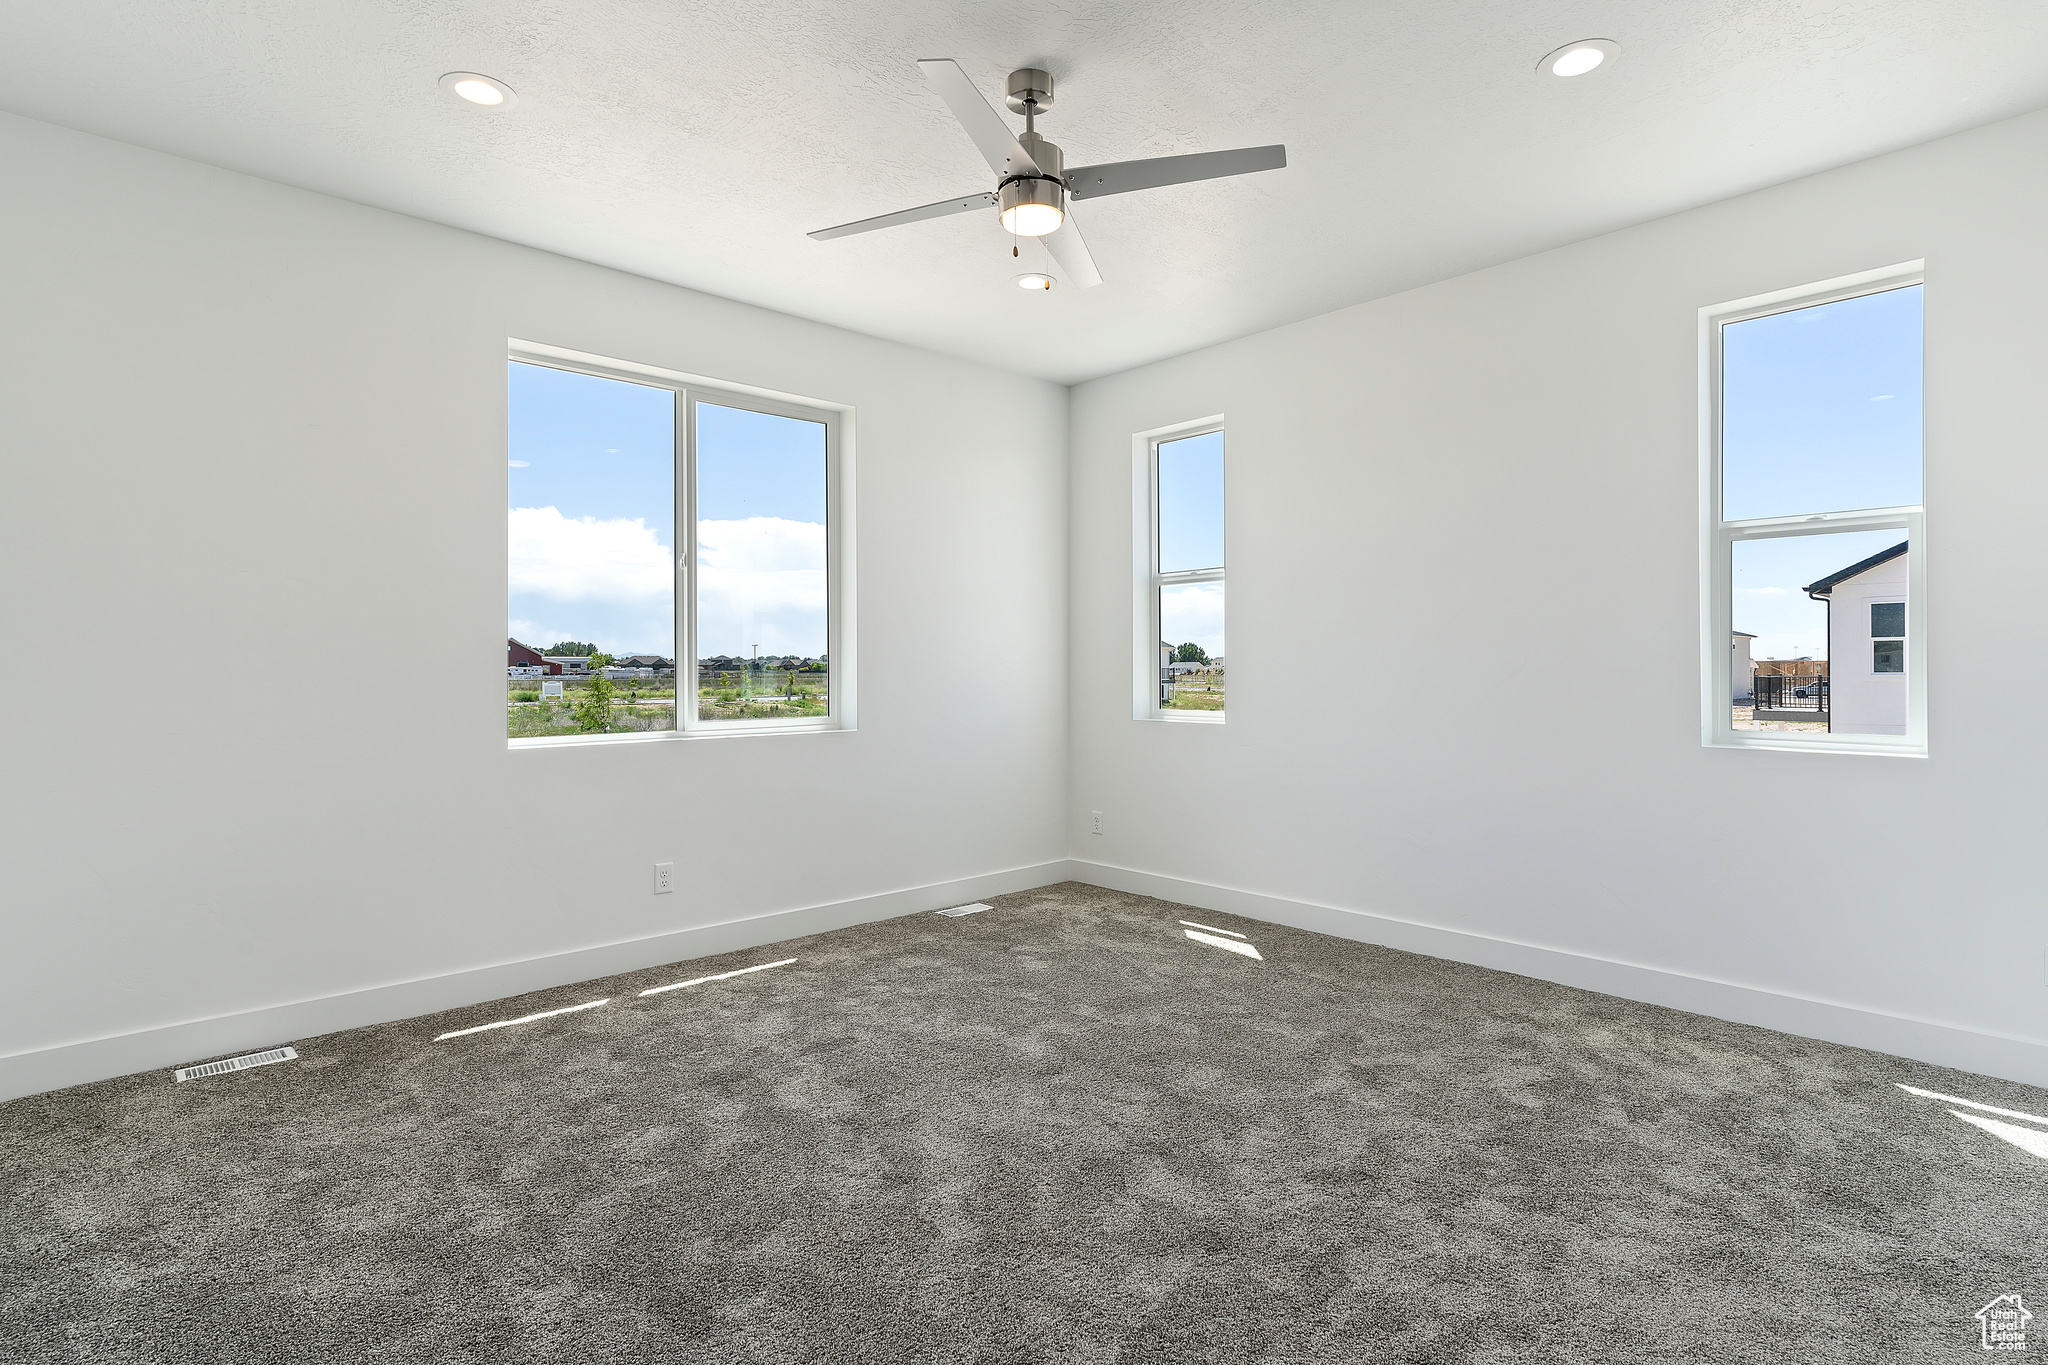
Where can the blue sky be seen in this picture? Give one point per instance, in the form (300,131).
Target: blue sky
(1191,537)
(591,519)
(1821,412)
(1191,503)
(1821,408)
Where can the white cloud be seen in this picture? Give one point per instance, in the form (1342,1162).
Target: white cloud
(1884,397)
(518,464)
(760,581)
(583,559)
(1192,612)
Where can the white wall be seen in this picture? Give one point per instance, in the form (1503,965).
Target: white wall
(1498,474)
(245,419)
(1862,701)
(1741,669)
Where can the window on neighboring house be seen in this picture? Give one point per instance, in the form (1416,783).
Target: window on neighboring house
(1181,670)
(1888,637)
(737,626)
(1812,515)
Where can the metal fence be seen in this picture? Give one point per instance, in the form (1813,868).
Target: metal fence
(1777,693)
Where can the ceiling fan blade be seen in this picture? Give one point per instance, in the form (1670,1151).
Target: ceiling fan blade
(1005,155)
(1121,177)
(1071,252)
(966,203)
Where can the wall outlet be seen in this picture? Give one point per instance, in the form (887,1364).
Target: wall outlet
(664,878)
(1095,822)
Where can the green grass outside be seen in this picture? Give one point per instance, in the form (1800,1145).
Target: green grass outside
(1191,695)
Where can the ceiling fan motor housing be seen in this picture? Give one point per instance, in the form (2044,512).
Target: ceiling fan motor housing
(1047,188)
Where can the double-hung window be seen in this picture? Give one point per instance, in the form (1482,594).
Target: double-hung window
(1177,490)
(618,626)
(1813,524)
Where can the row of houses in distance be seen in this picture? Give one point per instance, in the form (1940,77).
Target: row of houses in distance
(524,661)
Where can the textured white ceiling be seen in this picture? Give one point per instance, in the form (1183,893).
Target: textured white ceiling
(697,142)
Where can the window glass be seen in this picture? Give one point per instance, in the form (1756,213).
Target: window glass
(1191,503)
(762,592)
(1820,423)
(591,554)
(1821,408)
(1790,656)
(1191,640)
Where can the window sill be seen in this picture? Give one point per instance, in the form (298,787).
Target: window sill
(1845,744)
(724,730)
(1188,717)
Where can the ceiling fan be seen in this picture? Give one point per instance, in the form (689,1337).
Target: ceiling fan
(1033,183)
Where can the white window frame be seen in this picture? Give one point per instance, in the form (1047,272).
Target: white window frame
(1718,539)
(1871,600)
(1146,578)
(689,389)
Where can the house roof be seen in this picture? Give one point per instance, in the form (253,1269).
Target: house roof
(1828,584)
(1745,635)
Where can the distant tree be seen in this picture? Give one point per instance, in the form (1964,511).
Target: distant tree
(571,649)
(594,707)
(1191,653)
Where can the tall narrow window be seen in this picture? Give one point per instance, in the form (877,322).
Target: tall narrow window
(619,627)
(1183,577)
(1812,506)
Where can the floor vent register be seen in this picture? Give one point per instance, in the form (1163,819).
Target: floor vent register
(227,1064)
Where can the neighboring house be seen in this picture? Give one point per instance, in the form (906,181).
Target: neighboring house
(653,661)
(1867,643)
(518,656)
(1740,671)
(569,663)
(1801,667)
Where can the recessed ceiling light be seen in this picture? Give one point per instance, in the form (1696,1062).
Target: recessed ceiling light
(1034,279)
(481,91)
(1582,58)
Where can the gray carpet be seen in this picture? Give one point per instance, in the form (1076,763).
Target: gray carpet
(1054,1131)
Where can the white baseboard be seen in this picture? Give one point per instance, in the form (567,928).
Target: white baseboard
(1987,1054)
(96,1059)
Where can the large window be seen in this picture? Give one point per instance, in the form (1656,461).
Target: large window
(619,628)
(1813,519)
(1181,671)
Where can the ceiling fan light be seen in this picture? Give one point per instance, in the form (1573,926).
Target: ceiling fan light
(1034,279)
(1033,220)
(1033,207)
